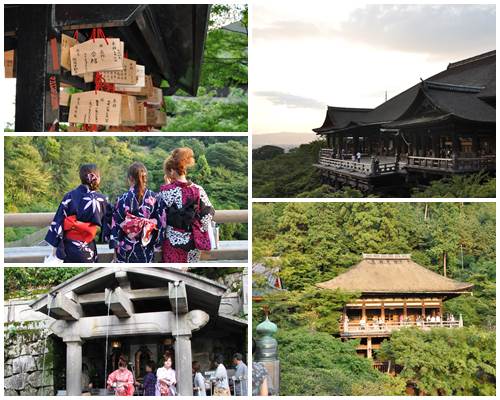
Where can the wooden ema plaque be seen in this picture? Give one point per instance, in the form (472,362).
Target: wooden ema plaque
(8,63)
(96,55)
(129,110)
(127,76)
(67,42)
(138,86)
(101,108)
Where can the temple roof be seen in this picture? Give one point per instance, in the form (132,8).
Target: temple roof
(477,72)
(202,293)
(393,273)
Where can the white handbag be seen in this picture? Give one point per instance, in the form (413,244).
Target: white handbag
(52,259)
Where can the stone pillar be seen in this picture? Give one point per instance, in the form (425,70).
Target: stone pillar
(183,361)
(74,365)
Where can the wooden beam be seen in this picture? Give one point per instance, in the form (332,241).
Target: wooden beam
(178,297)
(119,302)
(64,308)
(122,278)
(135,294)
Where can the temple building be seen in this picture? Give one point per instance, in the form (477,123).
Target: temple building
(442,125)
(394,293)
(143,313)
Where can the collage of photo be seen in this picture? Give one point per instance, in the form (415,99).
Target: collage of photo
(316,184)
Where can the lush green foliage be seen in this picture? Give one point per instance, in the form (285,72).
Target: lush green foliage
(444,361)
(293,175)
(39,170)
(314,242)
(267,152)
(287,175)
(26,282)
(221,104)
(317,364)
(465,186)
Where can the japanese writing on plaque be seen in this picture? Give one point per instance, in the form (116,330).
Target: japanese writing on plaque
(96,55)
(101,108)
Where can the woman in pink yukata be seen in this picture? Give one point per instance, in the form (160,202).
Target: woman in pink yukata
(189,211)
(121,380)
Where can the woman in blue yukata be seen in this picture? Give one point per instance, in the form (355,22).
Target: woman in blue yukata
(137,220)
(81,212)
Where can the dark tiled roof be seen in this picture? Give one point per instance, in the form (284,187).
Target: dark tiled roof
(477,72)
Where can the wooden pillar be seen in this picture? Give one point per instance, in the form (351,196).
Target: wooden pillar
(355,142)
(369,347)
(435,144)
(405,311)
(475,144)
(363,311)
(382,311)
(37,70)
(423,309)
(456,144)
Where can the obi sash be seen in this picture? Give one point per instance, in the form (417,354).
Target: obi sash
(134,226)
(77,230)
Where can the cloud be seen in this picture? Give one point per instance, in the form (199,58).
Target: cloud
(291,29)
(290,100)
(430,29)
(436,30)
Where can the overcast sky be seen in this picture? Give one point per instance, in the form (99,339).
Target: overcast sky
(306,55)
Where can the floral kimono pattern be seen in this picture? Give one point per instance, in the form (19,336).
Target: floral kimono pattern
(122,382)
(184,202)
(135,228)
(87,206)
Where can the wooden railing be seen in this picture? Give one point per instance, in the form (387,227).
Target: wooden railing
(464,164)
(355,328)
(39,220)
(325,159)
(227,251)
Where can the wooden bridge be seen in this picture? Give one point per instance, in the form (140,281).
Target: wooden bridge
(227,251)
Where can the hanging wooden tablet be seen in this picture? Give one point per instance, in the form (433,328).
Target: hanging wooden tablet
(133,89)
(96,55)
(8,62)
(67,42)
(96,108)
(127,75)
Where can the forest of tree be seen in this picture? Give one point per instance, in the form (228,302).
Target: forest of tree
(39,170)
(222,101)
(314,242)
(292,175)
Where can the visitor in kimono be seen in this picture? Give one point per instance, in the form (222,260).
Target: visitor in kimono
(189,211)
(221,381)
(149,381)
(121,381)
(240,375)
(81,213)
(136,220)
(166,380)
(199,388)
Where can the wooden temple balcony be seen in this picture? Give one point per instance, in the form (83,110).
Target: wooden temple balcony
(462,164)
(227,250)
(356,330)
(326,159)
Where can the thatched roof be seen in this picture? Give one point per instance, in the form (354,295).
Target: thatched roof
(393,273)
